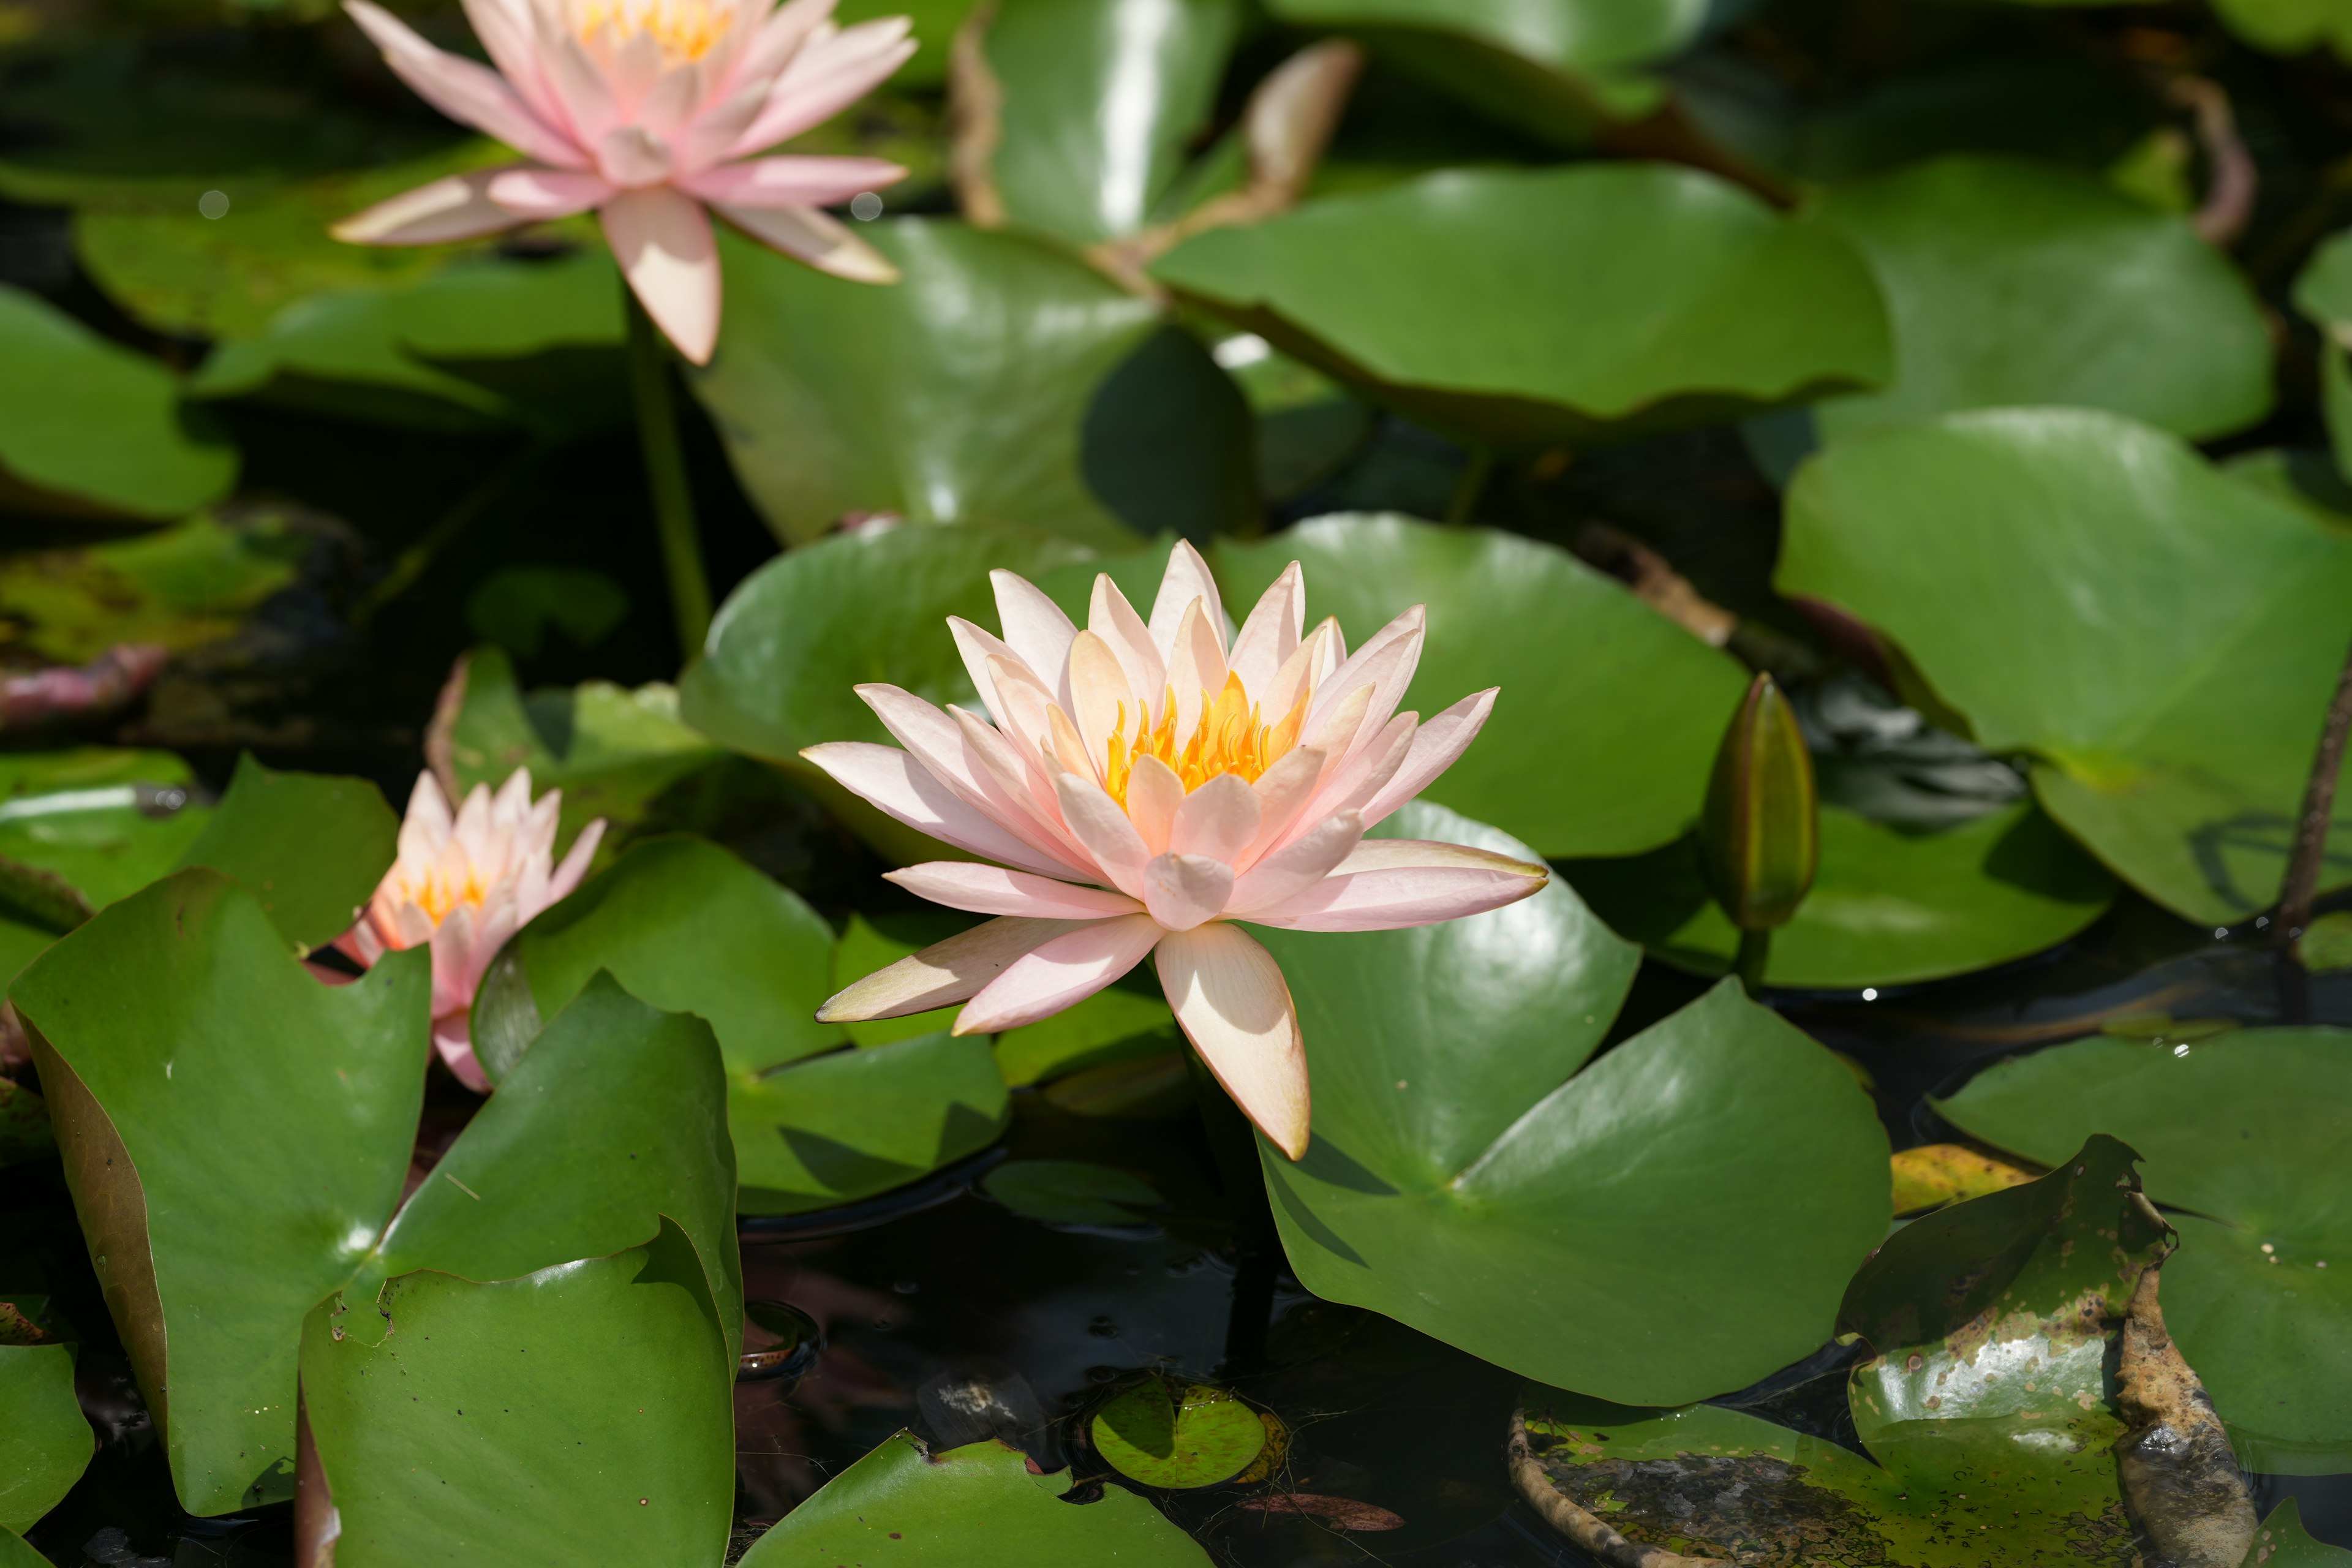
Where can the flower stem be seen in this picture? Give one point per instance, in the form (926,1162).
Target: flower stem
(673,500)
(1257,1246)
(1755,949)
(2318,808)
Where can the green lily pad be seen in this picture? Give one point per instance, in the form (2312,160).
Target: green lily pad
(1581,1232)
(872,942)
(612,749)
(791,643)
(311,847)
(484,344)
(25,1130)
(1610,715)
(2282,1542)
(976,1507)
(2161,639)
(2322,292)
(583,1410)
(180,587)
(1073,1191)
(102,821)
(1538,308)
(2243,1138)
(1099,103)
(1556,67)
(89,426)
(46,1443)
(1887,908)
(1114,1025)
(2012,283)
(1986,1406)
(1177,1435)
(836,397)
(235,1135)
(2288,26)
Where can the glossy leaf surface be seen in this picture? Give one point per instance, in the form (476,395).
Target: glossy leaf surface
(1610,713)
(311,847)
(1573,1228)
(2241,1134)
(77,814)
(1177,1435)
(977,1506)
(2161,639)
(836,1128)
(1610,301)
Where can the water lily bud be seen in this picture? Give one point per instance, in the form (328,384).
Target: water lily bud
(1760,837)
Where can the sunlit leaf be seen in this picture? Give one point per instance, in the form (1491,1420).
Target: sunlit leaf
(311,847)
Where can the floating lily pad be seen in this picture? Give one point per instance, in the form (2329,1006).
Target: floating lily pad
(1579,1231)
(2322,292)
(1935,1175)
(1177,1435)
(1073,1191)
(836,398)
(870,943)
(87,426)
(977,1506)
(1987,1405)
(2288,26)
(46,1443)
(2012,283)
(1887,908)
(1114,1025)
(311,847)
(181,588)
(1557,68)
(2282,1542)
(2243,1138)
(1098,106)
(102,822)
(2159,638)
(1567,306)
(235,1135)
(1610,714)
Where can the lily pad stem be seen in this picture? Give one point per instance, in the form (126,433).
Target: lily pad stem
(673,500)
(1755,949)
(1464,507)
(2318,810)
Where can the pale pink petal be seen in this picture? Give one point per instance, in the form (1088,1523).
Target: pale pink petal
(1183,890)
(993,890)
(427,821)
(1186,579)
(893,783)
(464,89)
(1154,795)
(1035,627)
(1365,774)
(456,206)
(1058,975)
(575,864)
(453,1036)
(1100,702)
(1196,662)
(504,28)
(1110,617)
(939,742)
(1271,634)
(1028,704)
(1388,883)
(1336,733)
(545,194)
(663,242)
(943,973)
(1229,994)
(677,94)
(782,34)
(814,239)
(825,79)
(1104,830)
(1296,677)
(1386,663)
(632,157)
(1026,789)
(1219,819)
(792,182)
(977,646)
(575,80)
(1283,792)
(1435,747)
(1297,866)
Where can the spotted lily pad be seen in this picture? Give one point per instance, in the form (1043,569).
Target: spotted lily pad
(1177,1435)
(183,587)
(2243,1135)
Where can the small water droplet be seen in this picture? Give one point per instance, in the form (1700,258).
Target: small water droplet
(212,204)
(866,206)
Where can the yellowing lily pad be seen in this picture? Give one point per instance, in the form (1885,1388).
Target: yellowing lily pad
(1177,1435)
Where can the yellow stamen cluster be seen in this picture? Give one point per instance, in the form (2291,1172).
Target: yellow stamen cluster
(1232,737)
(686,29)
(439,894)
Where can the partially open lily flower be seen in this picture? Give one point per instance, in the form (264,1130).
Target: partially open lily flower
(645,111)
(464,884)
(1144,786)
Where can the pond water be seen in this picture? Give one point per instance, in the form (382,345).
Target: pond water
(943,1310)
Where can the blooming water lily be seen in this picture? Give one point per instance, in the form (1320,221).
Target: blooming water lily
(465,884)
(646,111)
(1145,785)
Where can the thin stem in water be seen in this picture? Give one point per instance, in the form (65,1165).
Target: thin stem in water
(673,499)
(2318,808)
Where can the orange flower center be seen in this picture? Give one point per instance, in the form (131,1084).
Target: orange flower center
(438,895)
(686,29)
(1232,737)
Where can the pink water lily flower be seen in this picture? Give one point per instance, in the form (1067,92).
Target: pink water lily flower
(465,884)
(646,111)
(1143,787)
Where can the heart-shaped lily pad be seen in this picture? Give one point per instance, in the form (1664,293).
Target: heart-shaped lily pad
(1564,306)
(1177,1435)
(976,1507)
(1575,1231)
(1887,907)
(2160,639)
(2012,283)
(1610,714)
(47,1442)
(2244,1138)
